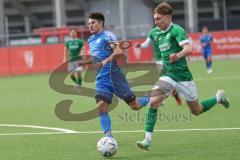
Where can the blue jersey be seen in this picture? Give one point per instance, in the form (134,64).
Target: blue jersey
(100,50)
(110,79)
(206,39)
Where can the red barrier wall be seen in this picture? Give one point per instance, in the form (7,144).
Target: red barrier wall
(55,55)
(4,62)
(224,43)
(28,59)
(45,58)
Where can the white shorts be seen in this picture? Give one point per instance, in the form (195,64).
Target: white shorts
(186,89)
(73,66)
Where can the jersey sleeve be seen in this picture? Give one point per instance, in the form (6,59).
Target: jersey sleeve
(181,36)
(150,35)
(146,43)
(110,37)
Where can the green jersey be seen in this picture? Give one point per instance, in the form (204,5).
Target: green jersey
(74,47)
(170,42)
(153,36)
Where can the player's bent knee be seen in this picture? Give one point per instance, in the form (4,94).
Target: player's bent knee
(194,107)
(102,106)
(156,100)
(134,105)
(131,101)
(209,59)
(162,88)
(135,108)
(155,105)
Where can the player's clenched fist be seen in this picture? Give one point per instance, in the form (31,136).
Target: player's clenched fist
(173,58)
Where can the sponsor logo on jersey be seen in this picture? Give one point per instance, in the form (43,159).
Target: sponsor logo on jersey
(74,46)
(165,47)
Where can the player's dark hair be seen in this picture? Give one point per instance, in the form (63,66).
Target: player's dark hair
(98,16)
(164,8)
(72,29)
(205,27)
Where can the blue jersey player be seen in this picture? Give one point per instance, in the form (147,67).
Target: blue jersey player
(206,40)
(109,77)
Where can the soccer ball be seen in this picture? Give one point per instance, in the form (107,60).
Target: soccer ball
(107,146)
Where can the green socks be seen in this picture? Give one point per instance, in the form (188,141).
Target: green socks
(79,81)
(76,80)
(73,78)
(208,104)
(151,117)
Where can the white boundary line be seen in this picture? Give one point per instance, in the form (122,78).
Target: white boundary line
(26,133)
(215,78)
(165,130)
(58,130)
(66,131)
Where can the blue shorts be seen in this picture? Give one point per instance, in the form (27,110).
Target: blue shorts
(115,84)
(206,53)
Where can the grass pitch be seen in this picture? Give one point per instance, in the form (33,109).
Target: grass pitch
(28,100)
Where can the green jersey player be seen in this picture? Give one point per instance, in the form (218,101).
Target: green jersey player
(174,46)
(153,37)
(72,51)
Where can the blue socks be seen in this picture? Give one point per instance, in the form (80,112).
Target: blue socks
(105,122)
(209,65)
(143,101)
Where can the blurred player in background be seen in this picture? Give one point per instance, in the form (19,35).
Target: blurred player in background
(109,77)
(72,51)
(174,46)
(206,40)
(152,39)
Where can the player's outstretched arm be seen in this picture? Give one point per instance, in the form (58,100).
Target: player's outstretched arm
(118,52)
(65,54)
(144,44)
